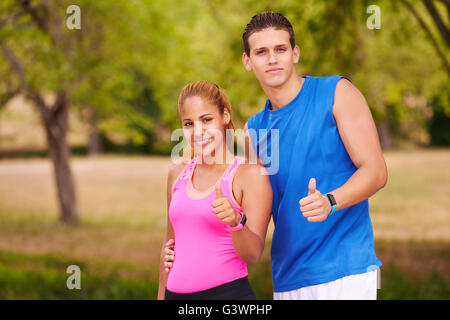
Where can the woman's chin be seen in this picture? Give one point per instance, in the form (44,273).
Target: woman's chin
(208,151)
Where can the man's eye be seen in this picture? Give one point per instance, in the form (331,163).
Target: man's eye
(260,52)
(281,49)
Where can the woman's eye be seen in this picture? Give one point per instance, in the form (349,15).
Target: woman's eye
(186,124)
(207,120)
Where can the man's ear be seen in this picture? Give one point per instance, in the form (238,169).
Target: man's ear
(296,53)
(246,62)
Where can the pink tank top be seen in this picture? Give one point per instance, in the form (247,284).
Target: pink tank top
(204,253)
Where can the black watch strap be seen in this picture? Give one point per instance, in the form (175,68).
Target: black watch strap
(331,199)
(243,220)
(332,203)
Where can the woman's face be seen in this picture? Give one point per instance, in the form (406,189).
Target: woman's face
(203,125)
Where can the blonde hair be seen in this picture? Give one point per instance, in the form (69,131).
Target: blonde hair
(210,92)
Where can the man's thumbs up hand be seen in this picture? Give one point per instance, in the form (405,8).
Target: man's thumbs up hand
(311,186)
(223,208)
(315,207)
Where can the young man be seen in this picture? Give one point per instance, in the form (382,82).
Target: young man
(330,163)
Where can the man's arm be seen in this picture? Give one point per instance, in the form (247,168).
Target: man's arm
(359,135)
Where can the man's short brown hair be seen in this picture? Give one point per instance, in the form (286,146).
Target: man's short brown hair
(266,20)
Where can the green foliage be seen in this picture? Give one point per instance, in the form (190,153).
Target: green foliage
(131,59)
(395,285)
(439,125)
(48,284)
(44,277)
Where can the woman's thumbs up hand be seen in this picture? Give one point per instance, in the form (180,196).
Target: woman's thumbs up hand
(223,209)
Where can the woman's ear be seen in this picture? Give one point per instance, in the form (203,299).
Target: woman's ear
(226,117)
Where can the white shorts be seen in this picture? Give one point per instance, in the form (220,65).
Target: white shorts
(355,287)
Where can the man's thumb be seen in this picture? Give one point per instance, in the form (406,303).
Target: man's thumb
(311,186)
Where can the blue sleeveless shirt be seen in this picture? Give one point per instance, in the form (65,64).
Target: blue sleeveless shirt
(308,143)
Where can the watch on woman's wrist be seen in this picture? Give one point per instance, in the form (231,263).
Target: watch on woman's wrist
(241,224)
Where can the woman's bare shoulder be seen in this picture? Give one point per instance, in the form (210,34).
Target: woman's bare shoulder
(175,170)
(251,173)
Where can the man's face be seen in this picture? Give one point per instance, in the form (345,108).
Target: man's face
(272,58)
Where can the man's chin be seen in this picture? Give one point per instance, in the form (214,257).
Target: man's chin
(274,82)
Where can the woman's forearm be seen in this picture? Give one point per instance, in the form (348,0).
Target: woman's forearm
(163,275)
(247,244)
(162,278)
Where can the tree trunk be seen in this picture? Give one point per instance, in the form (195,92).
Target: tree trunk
(385,134)
(55,121)
(95,144)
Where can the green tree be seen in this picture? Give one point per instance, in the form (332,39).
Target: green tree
(58,69)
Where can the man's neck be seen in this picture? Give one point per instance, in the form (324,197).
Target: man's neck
(281,96)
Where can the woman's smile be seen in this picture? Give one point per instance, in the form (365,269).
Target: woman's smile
(202,142)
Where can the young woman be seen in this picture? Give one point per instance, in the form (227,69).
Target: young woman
(218,211)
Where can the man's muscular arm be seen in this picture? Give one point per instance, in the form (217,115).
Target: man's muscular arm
(359,135)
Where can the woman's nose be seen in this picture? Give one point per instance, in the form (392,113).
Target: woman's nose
(198,128)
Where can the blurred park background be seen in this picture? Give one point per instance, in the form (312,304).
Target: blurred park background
(86,117)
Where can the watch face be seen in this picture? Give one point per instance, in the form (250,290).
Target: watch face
(244,220)
(331,199)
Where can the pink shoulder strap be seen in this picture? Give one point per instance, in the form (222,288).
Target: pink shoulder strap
(226,184)
(188,169)
(229,173)
(184,176)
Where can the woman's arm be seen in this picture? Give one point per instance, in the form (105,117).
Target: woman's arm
(174,172)
(256,203)
(163,275)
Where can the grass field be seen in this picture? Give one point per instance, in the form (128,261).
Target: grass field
(123,207)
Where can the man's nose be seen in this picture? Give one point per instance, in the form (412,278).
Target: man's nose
(272,57)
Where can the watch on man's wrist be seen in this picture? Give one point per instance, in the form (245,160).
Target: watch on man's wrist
(332,202)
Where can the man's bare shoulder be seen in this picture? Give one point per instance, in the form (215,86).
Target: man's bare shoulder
(347,98)
(346,91)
